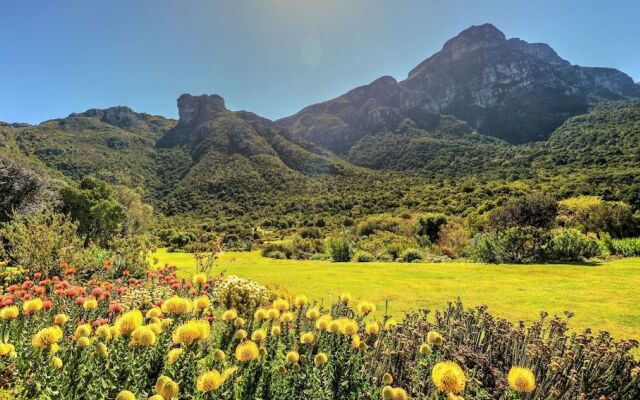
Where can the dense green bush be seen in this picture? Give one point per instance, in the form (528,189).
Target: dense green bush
(592,214)
(537,210)
(340,249)
(411,255)
(429,225)
(362,256)
(378,223)
(386,246)
(513,245)
(276,250)
(629,247)
(573,245)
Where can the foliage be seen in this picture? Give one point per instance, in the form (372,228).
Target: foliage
(513,245)
(573,245)
(362,256)
(386,246)
(411,255)
(371,225)
(95,206)
(130,254)
(41,242)
(340,249)
(429,225)
(592,214)
(537,210)
(240,294)
(453,240)
(628,247)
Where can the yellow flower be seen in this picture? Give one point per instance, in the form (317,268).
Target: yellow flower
(323,322)
(292,357)
(90,304)
(83,342)
(372,328)
(349,327)
(143,336)
(209,381)
(166,387)
(366,307)
(287,317)
(390,393)
(229,315)
(521,380)
(448,377)
(345,298)
(452,396)
(307,338)
(240,334)
(9,312)
(6,348)
(155,312)
(301,300)
(434,338)
(355,342)
(276,330)
(125,395)
(312,314)
(259,335)
(173,355)
(260,314)
(239,322)
(281,305)
(191,331)
(200,278)
(424,349)
(32,306)
(83,330)
(320,359)
(156,327)
(46,337)
(390,324)
(129,322)
(60,319)
(156,397)
(101,350)
(177,305)
(219,355)
(334,326)
(202,303)
(57,362)
(247,351)
(166,322)
(387,379)
(273,314)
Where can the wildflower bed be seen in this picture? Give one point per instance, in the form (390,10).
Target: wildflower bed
(159,337)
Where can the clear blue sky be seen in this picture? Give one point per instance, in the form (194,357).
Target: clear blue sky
(272,57)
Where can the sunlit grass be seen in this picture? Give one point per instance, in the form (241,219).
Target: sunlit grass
(603,297)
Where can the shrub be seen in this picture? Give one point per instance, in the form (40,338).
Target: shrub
(362,256)
(411,255)
(41,241)
(268,249)
(537,210)
(378,223)
(386,246)
(303,249)
(131,253)
(514,245)
(339,249)
(573,245)
(429,225)
(453,241)
(629,247)
(592,214)
(310,233)
(242,294)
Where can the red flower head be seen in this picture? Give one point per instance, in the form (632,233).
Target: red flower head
(80,300)
(47,304)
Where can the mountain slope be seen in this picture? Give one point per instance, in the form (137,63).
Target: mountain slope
(506,88)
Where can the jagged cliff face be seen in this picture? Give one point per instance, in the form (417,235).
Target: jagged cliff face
(507,88)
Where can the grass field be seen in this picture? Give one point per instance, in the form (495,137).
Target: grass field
(603,297)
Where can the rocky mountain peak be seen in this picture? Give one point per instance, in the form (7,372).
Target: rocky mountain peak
(473,39)
(120,116)
(199,109)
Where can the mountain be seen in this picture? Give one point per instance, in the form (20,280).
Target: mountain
(506,88)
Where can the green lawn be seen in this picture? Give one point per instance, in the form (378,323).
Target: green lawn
(603,297)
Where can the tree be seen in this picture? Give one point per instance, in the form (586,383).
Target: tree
(23,190)
(94,206)
(429,225)
(538,210)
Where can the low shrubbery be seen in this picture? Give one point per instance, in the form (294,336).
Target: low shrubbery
(629,247)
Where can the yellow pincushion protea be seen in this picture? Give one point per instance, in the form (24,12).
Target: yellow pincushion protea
(167,387)
(434,338)
(200,278)
(32,306)
(60,319)
(259,335)
(229,315)
(247,351)
(312,314)
(9,312)
(273,314)
(83,330)
(320,359)
(57,362)
(391,393)
(372,328)
(260,314)
(202,303)
(276,330)
(521,380)
(349,327)
(209,381)
(155,312)
(281,305)
(126,395)
(287,317)
(47,337)
(90,304)
(390,324)
(307,338)
(448,377)
(300,301)
(177,305)
(173,355)
(143,336)
(6,348)
(322,323)
(292,357)
(366,307)
(194,330)
(345,298)
(128,322)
